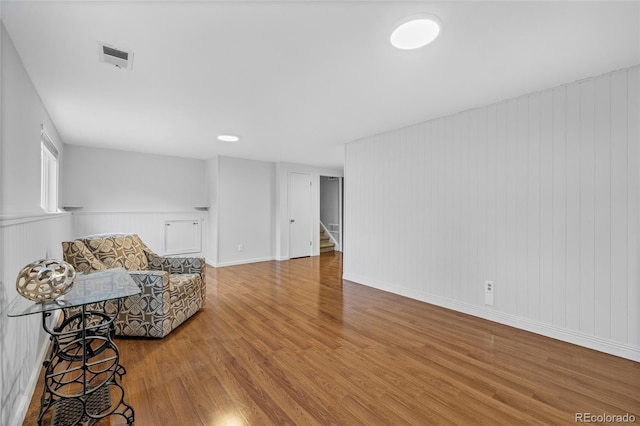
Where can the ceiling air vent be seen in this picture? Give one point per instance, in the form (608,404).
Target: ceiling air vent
(122,59)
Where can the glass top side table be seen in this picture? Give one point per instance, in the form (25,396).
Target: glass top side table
(92,287)
(83,374)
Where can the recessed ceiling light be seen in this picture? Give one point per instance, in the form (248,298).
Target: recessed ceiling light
(415,31)
(228,138)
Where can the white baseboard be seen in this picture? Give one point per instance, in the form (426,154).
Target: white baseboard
(27,396)
(239,262)
(544,329)
(244,262)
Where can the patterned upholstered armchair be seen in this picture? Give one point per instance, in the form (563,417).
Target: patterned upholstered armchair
(173,288)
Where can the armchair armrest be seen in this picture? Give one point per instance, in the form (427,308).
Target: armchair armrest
(181,265)
(177,265)
(147,313)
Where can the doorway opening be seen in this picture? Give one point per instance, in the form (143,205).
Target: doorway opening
(331,213)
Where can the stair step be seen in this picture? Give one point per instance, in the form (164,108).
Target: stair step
(325,242)
(327,247)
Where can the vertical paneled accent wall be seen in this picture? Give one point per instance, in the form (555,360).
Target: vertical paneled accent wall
(22,340)
(538,193)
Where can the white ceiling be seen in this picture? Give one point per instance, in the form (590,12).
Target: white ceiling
(298,80)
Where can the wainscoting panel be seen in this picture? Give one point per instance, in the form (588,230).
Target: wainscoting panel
(22,341)
(538,193)
(150,226)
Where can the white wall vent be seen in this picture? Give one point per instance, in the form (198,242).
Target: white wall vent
(122,59)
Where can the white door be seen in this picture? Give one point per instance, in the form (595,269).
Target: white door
(300,229)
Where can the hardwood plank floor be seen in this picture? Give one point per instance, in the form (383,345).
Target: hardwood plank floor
(291,343)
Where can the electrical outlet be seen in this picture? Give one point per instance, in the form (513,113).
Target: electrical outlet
(240,247)
(488,287)
(488,292)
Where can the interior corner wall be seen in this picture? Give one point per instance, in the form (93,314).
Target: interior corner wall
(26,233)
(539,194)
(245,208)
(211,252)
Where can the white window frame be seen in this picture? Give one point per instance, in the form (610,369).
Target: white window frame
(49,178)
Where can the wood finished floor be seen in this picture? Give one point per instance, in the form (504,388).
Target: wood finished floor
(291,343)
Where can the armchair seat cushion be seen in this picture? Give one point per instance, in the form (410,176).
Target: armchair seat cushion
(183,285)
(173,288)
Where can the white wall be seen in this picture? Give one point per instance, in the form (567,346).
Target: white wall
(22,114)
(538,193)
(249,206)
(110,180)
(26,233)
(121,191)
(245,210)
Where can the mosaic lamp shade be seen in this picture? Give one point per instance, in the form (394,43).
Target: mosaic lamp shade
(45,280)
